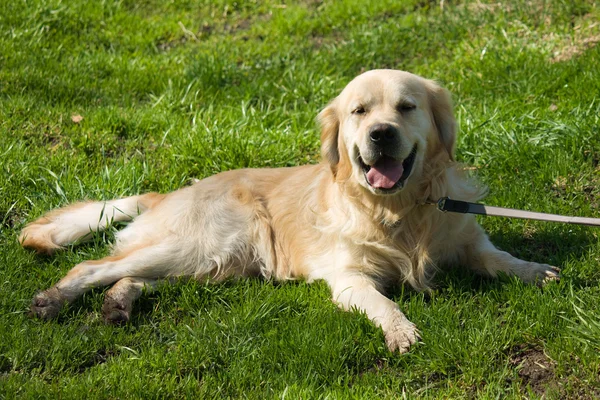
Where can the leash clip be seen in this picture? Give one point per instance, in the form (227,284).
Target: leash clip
(441,204)
(446,204)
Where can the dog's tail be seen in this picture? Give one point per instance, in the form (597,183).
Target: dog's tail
(78,221)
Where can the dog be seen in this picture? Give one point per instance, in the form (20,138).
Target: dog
(359,220)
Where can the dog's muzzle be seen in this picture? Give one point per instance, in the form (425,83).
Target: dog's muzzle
(388,174)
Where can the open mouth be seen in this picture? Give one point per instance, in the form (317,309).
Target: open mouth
(388,174)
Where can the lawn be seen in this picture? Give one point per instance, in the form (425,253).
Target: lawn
(105,99)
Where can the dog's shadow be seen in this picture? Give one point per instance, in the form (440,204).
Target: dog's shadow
(561,246)
(555,245)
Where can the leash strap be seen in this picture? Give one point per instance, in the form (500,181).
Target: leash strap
(457,206)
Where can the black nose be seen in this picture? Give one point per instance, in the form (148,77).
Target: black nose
(383,134)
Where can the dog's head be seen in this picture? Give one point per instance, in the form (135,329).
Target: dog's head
(379,130)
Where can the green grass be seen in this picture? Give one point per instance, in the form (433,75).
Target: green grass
(181,89)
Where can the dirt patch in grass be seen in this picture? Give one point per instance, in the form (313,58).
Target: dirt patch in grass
(99,357)
(242,24)
(540,33)
(320,41)
(565,187)
(535,369)
(537,374)
(11,218)
(377,366)
(166,45)
(229,26)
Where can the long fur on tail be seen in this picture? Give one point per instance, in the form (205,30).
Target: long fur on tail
(78,221)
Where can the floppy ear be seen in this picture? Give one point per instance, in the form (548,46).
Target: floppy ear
(443,116)
(330,126)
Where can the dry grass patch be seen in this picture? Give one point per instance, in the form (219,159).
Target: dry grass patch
(576,47)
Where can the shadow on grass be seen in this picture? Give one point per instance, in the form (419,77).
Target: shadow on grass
(553,246)
(556,246)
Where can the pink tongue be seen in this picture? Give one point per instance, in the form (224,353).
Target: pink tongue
(385,173)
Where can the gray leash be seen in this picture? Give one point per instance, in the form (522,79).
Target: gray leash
(446,204)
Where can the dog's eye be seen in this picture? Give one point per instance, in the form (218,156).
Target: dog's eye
(359,110)
(404,107)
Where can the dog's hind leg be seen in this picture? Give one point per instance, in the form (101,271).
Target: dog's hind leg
(118,301)
(150,262)
(79,220)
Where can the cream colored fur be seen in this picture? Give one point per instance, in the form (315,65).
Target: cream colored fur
(313,222)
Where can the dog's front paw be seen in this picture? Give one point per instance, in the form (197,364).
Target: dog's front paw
(539,274)
(401,334)
(47,304)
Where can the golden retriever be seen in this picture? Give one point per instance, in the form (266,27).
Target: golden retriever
(358,220)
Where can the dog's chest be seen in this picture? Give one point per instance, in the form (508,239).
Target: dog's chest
(429,236)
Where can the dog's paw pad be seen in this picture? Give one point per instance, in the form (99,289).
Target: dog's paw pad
(116,317)
(115,312)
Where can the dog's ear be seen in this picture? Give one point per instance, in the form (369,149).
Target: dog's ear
(440,102)
(330,126)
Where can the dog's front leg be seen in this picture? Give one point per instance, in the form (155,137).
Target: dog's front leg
(356,291)
(485,258)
